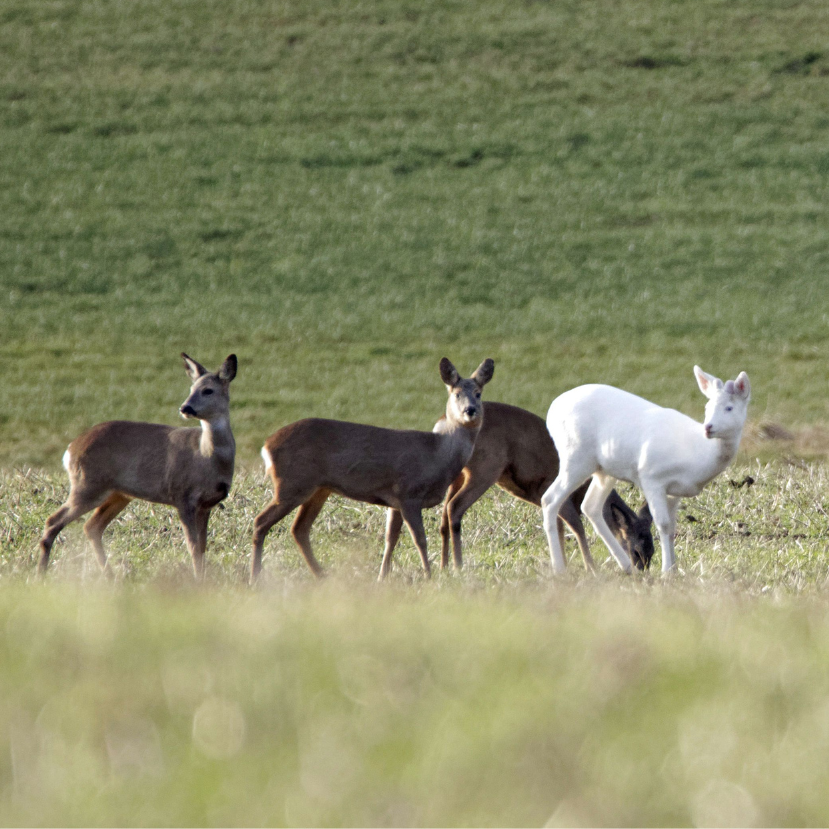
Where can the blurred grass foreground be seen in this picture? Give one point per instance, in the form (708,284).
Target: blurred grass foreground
(576,704)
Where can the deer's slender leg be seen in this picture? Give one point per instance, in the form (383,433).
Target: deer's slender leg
(100,520)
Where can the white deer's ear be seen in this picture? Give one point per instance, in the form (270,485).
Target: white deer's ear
(483,374)
(708,384)
(192,367)
(742,387)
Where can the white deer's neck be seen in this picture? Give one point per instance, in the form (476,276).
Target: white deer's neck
(217,439)
(719,452)
(727,449)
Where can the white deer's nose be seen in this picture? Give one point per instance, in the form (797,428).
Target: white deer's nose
(709,429)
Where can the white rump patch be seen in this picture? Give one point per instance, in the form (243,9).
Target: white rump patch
(67,459)
(266,456)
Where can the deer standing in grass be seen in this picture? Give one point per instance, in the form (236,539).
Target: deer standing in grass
(189,469)
(607,433)
(404,470)
(514,450)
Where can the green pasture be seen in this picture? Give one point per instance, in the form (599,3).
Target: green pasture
(342,193)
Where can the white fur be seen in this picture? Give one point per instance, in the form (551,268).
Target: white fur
(610,434)
(266,457)
(67,459)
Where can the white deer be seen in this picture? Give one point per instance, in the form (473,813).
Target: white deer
(610,434)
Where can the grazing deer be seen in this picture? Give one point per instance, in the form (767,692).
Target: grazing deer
(515,451)
(607,433)
(404,470)
(188,469)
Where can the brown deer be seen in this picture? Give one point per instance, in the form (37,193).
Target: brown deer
(515,451)
(189,469)
(404,470)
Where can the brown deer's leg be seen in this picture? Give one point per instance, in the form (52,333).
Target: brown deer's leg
(77,504)
(272,514)
(190,521)
(569,514)
(301,528)
(468,494)
(394,523)
(411,511)
(202,519)
(100,520)
(445,532)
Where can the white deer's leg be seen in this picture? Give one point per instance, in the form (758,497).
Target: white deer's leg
(664,517)
(559,491)
(551,502)
(673,508)
(593,508)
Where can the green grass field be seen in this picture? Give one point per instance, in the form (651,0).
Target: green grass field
(344,193)
(341,194)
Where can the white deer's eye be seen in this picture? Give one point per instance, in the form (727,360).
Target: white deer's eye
(729,408)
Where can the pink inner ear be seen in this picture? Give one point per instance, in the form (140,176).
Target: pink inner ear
(729,387)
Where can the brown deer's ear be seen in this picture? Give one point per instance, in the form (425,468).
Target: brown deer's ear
(483,374)
(621,518)
(192,367)
(645,513)
(228,370)
(448,373)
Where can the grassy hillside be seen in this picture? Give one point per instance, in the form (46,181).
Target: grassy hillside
(343,193)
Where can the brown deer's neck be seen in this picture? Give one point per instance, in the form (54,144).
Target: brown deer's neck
(217,439)
(458,439)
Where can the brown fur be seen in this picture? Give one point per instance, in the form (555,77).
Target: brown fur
(515,451)
(404,470)
(189,469)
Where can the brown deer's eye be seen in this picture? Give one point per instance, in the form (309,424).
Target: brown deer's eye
(207,391)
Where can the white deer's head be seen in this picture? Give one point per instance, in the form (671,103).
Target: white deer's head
(725,412)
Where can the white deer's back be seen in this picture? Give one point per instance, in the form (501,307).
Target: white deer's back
(620,433)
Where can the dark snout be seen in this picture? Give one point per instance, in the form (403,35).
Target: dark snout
(471,412)
(642,557)
(187,411)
